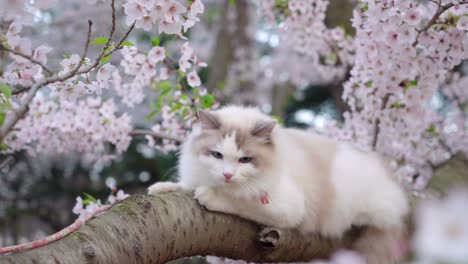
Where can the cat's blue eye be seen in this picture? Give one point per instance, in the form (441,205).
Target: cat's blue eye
(216,154)
(245,159)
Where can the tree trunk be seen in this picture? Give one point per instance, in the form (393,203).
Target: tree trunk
(147,229)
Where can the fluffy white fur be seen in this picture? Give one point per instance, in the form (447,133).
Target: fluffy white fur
(313,183)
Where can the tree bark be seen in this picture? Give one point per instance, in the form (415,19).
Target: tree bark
(157,229)
(147,229)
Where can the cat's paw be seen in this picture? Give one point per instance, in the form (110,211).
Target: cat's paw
(162,187)
(207,197)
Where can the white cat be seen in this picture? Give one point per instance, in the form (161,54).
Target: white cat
(239,161)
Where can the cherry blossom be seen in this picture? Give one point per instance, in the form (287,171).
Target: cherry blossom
(193,79)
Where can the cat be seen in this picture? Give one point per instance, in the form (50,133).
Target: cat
(240,161)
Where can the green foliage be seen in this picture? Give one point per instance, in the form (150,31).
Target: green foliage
(207,100)
(155,41)
(3,146)
(278,119)
(88,199)
(5,95)
(432,129)
(106,58)
(127,43)
(100,40)
(5,90)
(398,105)
(2,117)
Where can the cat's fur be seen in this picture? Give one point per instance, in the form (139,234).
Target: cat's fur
(312,183)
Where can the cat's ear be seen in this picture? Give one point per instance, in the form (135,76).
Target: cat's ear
(208,120)
(264,129)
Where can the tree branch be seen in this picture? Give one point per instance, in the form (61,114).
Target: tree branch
(138,132)
(28,57)
(440,10)
(375,139)
(147,229)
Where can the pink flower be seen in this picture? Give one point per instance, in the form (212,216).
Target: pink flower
(78,208)
(172,11)
(413,17)
(156,54)
(462,23)
(148,4)
(134,11)
(145,23)
(104,72)
(170,27)
(184,64)
(193,79)
(41,52)
(197,8)
(70,63)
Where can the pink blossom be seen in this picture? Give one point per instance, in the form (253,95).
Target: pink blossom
(413,17)
(156,54)
(193,79)
(134,11)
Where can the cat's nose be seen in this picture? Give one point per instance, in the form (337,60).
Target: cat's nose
(227,175)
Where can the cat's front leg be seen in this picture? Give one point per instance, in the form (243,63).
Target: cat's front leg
(212,200)
(162,187)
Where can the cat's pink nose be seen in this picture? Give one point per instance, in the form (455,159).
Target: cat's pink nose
(227,175)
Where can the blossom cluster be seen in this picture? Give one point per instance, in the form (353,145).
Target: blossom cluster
(171,16)
(90,205)
(82,113)
(396,77)
(302,29)
(22,71)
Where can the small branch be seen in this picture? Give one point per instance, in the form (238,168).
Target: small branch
(85,51)
(139,132)
(54,237)
(377,123)
(440,10)
(28,57)
(111,34)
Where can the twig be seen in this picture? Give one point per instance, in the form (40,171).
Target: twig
(440,10)
(138,132)
(377,123)
(28,57)
(54,237)
(85,51)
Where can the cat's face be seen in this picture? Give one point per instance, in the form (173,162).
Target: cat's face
(233,154)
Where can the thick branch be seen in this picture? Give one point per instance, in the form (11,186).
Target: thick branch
(146,229)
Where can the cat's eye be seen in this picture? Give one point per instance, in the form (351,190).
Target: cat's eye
(216,154)
(245,159)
